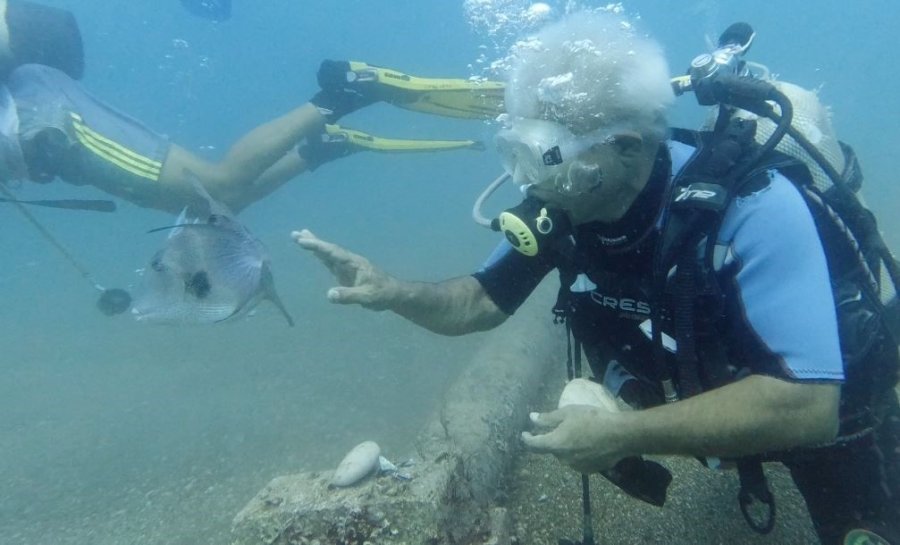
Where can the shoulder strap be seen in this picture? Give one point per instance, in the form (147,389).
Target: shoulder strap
(706,185)
(727,163)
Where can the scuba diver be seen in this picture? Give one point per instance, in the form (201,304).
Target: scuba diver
(55,129)
(65,133)
(730,288)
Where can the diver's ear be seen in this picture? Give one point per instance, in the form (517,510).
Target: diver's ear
(629,144)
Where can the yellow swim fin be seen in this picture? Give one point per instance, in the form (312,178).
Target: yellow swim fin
(446,97)
(336,142)
(360,141)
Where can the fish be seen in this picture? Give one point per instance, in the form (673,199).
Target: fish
(210,269)
(215,10)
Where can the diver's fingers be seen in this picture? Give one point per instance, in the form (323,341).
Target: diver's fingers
(302,233)
(328,252)
(306,239)
(545,443)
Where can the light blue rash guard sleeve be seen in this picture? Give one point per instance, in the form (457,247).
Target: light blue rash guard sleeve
(782,280)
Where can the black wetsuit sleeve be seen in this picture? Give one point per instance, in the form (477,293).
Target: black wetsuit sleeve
(509,277)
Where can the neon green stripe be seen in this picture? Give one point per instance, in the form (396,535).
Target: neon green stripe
(115,157)
(79,123)
(124,166)
(115,153)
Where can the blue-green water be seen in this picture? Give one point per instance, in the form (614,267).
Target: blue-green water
(113,432)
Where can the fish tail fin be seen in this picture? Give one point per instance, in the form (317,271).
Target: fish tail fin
(278,304)
(272,295)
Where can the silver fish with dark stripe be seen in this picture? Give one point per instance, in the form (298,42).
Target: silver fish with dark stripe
(211,269)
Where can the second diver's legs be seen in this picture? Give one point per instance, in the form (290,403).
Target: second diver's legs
(266,157)
(252,155)
(284,169)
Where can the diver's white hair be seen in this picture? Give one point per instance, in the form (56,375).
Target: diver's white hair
(591,70)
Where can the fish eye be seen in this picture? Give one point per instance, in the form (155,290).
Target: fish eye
(157,265)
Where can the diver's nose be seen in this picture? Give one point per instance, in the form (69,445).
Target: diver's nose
(519,177)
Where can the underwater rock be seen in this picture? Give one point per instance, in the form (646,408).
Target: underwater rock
(581,391)
(463,455)
(359,463)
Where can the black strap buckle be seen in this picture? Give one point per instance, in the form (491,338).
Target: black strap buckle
(755,490)
(559,315)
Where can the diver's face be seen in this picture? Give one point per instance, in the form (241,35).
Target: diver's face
(611,179)
(536,151)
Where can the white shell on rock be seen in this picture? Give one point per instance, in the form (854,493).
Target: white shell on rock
(581,391)
(359,463)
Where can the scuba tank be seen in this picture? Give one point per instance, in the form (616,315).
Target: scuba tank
(799,127)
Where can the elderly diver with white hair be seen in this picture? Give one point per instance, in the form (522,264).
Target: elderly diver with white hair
(585,134)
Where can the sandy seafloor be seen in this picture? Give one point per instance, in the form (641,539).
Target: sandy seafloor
(114,433)
(162,439)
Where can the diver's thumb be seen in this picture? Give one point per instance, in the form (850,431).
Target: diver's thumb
(343,296)
(366,296)
(356,295)
(547,420)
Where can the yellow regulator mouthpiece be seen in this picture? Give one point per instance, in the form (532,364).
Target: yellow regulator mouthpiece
(532,226)
(518,234)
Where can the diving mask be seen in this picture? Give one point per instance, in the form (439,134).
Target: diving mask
(535,151)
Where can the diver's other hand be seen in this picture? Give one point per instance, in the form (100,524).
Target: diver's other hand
(583,437)
(361,283)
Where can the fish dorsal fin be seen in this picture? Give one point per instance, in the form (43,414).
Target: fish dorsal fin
(215,207)
(179,221)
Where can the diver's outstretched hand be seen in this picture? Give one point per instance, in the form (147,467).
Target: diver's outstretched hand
(361,283)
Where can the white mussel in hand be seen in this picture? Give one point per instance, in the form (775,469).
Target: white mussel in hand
(581,391)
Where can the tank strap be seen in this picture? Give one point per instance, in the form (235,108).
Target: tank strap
(755,489)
